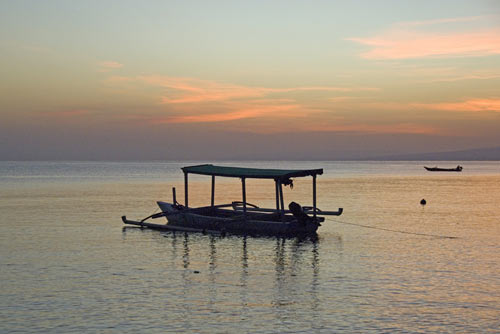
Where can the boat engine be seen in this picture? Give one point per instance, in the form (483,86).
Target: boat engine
(298,213)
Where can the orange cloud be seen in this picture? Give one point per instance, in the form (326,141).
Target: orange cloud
(325,123)
(473,105)
(190,90)
(442,74)
(229,116)
(270,110)
(426,45)
(106,66)
(341,99)
(403,40)
(477,76)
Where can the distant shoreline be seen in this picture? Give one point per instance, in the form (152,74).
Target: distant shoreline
(480,154)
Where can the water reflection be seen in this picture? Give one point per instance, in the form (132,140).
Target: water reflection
(244,276)
(185,255)
(315,277)
(297,273)
(217,274)
(212,272)
(293,261)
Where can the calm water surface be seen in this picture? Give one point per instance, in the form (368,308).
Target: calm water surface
(69,266)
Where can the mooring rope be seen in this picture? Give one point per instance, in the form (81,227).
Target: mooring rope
(396,231)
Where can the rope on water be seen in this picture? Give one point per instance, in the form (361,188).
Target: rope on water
(396,231)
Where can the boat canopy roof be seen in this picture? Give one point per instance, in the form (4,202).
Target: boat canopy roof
(255,173)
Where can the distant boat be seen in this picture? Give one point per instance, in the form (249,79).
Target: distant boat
(437,169)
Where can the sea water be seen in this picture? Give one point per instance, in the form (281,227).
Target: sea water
(387,264)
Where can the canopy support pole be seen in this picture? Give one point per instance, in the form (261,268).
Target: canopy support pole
(212,201)
(186,190)
(243,186)
(314,197)
(277,196)
(282,202)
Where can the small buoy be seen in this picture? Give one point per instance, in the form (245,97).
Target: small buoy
(423,201)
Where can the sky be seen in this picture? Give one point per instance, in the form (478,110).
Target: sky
(209,80)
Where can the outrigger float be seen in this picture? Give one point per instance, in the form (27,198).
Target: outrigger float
(241,217)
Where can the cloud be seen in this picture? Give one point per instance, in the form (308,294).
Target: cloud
(397,128)
(68,113)
(191,100)
(276,109)
(341,99)
(230,116)
(106,66)
(467,77)
(471,105)
(180,90)
(432,39)
(446,74)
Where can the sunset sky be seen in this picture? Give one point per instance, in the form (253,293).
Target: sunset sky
(205,80)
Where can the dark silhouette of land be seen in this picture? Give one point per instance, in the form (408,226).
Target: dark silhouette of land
(480,154)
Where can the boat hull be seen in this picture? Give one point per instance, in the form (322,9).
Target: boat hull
(240,225)
(235,223)
(437,169)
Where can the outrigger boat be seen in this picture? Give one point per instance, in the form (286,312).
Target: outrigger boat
(241,217)
(437,169)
